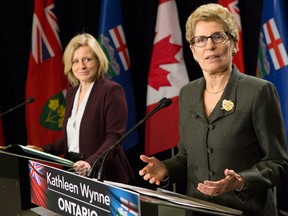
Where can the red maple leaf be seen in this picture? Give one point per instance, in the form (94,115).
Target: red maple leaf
(163,53)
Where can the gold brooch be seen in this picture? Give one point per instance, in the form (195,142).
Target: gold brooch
(227,105)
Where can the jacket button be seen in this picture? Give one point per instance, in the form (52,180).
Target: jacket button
(211,173)
(211,126)
(210,150)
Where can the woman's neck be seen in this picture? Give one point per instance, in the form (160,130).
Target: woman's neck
(216,83)
(85,86)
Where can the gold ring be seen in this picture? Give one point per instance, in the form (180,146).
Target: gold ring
(215,194)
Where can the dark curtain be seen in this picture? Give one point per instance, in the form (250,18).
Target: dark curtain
(82,16)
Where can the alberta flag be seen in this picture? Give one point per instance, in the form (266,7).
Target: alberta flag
(272,62)
(112,39)
(167,74)
(45,79)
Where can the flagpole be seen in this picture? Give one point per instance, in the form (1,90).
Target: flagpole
(174,184)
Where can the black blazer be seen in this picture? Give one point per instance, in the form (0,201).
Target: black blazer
(249,139)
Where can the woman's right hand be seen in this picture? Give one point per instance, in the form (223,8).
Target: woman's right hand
(155,171)
(38,148)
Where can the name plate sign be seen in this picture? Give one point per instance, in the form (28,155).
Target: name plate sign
(66,193)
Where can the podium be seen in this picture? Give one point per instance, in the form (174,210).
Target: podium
(66,193)
(27,182)
(15,190)
(11,173)
(163,202)
(14,176)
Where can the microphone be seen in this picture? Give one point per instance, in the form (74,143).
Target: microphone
(163,103)
(28,100)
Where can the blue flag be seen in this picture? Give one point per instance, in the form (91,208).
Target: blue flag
(272,62)
(112,39)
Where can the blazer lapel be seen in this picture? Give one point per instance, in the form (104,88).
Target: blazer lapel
(228,94)
(196,100)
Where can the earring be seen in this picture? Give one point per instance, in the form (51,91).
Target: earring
(234,51)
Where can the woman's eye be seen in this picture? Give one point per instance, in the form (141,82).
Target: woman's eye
(86,59)
(217,36)
(202,39)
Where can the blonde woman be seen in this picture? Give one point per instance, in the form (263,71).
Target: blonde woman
(96,112)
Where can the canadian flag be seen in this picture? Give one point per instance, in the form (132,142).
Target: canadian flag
(167,75)
(233,6)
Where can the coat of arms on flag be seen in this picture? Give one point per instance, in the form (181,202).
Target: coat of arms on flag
(46,81)
(112,39)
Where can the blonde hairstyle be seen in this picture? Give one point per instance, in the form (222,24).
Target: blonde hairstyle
(77,41)
(212,12)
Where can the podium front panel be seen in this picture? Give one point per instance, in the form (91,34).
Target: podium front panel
(10,197)
(14,185)
(66,193)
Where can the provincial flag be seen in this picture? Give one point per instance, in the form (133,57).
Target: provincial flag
(129,206)
(38,183)
(167,74)
(233,6)
(123,203)
(45,79)
(112,39)
(272,61)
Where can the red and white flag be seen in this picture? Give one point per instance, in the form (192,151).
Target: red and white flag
(275,45)
(45,80)
(233,6)
(167,74)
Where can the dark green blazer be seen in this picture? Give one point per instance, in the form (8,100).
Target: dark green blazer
(250,139)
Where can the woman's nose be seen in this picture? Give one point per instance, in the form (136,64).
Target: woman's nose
(210,44)
(82,64)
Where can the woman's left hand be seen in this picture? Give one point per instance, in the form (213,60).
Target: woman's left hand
(231,182)
(81,167)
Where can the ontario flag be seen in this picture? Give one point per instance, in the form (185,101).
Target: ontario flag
(272,61)
(167,74)
(38,183)
(45,79)
(112,39)
(233,6)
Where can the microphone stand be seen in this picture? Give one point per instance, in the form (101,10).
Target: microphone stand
(164,102)
(29,100)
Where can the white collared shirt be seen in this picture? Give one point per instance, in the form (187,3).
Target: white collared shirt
(73,124)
